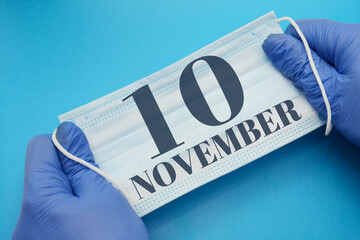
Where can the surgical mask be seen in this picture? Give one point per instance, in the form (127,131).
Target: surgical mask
(194,121)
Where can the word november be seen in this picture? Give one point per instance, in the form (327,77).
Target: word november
(216,148)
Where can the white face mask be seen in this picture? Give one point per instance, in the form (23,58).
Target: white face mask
(196,120)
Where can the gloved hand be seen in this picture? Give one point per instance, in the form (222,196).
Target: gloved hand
(336,52)
(65,200)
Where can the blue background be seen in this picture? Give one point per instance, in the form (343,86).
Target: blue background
(58,55)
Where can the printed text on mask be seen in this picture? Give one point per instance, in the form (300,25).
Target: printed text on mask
(211,150)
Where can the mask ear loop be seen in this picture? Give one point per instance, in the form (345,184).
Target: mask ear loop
(313,68)
(85,163)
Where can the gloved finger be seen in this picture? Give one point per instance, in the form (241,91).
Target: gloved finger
(289,57)
(43,172)
(81,178)
(326,37)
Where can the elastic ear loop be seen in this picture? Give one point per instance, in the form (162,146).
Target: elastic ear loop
(85,163)
(313,68)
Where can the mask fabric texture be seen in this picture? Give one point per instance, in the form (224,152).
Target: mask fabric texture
(254,113)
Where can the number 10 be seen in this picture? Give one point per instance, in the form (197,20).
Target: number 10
(194,100)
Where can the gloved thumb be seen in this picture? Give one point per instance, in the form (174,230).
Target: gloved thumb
(81,178)
(289,56)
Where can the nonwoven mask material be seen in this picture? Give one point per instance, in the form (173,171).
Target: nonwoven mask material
(196,120)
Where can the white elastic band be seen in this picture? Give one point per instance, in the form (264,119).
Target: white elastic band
(313,68)
(85,163)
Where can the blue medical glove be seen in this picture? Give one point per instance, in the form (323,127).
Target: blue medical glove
(65,200)
(336,52)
